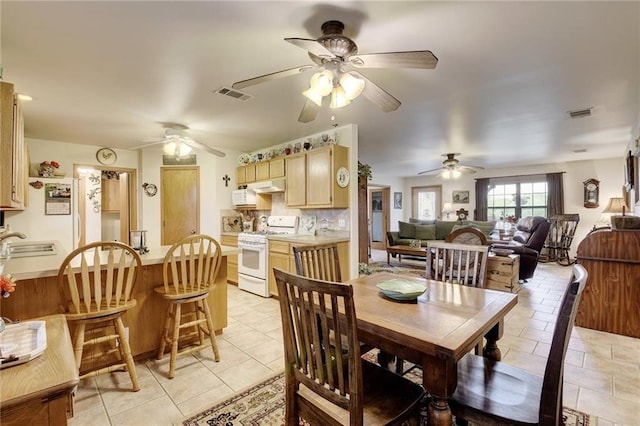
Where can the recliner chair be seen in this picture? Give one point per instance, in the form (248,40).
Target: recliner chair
(528,240)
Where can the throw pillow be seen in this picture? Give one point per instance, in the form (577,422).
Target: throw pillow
(406,230)
(485,227)
(443,228)
(421,221)
(425,232)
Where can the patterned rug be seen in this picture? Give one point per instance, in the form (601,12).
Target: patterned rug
(263,405)
(406,267)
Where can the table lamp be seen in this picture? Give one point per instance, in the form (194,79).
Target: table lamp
(447,209)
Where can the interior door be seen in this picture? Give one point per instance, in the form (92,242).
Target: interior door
(379,199)
(179,203)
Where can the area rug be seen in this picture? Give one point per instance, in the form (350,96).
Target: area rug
(263,405)
(410,267)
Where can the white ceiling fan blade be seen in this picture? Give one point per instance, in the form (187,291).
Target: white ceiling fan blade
(378,95)
(272,76)
(150,142)
(430,171)
(202,147)
(414,59)
(311,46)
(309,111)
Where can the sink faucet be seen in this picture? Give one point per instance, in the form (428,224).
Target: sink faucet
(4,234)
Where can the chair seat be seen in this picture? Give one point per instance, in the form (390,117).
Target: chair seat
(173,295)
(496,389)
(381,407)
(74,315)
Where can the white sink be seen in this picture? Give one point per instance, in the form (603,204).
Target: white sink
(31,248)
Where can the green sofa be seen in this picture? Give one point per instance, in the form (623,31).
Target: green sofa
(425,230)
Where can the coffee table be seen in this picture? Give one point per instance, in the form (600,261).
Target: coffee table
(409,251)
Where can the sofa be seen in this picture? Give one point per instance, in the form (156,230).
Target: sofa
(428,230)
(529,238)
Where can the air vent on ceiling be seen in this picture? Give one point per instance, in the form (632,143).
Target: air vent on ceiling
(580,113)
(232,93)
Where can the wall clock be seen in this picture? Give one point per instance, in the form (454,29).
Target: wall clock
(591,193)
(106,156)
(342,177)
(150,189)
(462,214)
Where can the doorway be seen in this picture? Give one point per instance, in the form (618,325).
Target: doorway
(179,203)
(426,202)
(379,210)
(108,207)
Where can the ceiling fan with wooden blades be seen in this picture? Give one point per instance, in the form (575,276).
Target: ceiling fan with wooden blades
(179,143)
(338,54)
(451,168)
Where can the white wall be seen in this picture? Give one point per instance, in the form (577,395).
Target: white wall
(608,171)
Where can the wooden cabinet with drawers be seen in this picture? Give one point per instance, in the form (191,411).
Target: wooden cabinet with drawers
(503,273)
(13,159)
(232,259)
(263,170)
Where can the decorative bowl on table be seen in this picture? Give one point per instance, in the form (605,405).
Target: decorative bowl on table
(400,289)
(502,252)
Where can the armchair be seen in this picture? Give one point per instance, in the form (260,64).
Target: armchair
(528,240)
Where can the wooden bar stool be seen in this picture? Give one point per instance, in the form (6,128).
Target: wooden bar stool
(95,283)
(189,271)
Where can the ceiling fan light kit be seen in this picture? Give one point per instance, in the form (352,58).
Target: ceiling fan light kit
(335,55)
(451,168)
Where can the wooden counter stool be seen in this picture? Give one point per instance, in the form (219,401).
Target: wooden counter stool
(189,271)
(96,282)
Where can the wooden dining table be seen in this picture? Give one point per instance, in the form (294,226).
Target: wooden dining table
(434,331)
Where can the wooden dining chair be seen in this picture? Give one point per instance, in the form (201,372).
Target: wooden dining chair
(492,393)
(331,387)
(318,261)
(96,282)
(457,263)
(189,271)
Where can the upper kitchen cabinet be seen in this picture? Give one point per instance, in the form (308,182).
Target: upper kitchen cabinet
(318,178)
(13,160)
(263,170)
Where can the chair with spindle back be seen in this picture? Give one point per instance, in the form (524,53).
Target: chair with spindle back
(319,261)
(495,393)
(328,386)
(457,263)
(95,283)
(189,271)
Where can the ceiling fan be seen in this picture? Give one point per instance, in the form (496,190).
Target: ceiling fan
(178,143)
(451,168)
(335,58)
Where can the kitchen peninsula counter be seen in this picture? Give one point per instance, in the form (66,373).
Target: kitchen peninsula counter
(311,239)
(37,295)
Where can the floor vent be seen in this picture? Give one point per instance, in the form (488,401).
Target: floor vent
(235,94)
(580,113)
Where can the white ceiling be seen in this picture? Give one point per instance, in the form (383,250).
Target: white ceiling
(107,74)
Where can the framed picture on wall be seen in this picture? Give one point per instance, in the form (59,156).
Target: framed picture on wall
(460,197)
(397,200)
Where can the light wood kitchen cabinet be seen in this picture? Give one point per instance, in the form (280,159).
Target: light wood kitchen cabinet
(110,195)
(311,178)
(281,257)
(262,171)
(276,168)
(246,174)
(296,192)
(13,159)
(232,259)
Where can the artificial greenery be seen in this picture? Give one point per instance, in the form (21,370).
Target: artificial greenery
(364,170)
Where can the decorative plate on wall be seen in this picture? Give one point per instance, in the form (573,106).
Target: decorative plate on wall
(106,156)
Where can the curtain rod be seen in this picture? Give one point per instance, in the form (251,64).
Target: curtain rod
(515,176)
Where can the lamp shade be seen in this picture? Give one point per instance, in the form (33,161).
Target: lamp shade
(177,148)
(447,208)
(616,205)
(352,85)
(338,97)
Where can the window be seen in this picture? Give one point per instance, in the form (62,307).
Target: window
(520,197)
(426,202)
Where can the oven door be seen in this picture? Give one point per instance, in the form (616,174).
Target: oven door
(252,260)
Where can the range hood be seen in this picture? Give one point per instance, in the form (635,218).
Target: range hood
(267,186)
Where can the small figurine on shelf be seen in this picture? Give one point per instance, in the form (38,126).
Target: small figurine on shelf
(47,168)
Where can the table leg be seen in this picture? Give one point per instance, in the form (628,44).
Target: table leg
(440,378)
(491,350)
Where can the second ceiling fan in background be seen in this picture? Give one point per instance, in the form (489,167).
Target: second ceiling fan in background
(335,60)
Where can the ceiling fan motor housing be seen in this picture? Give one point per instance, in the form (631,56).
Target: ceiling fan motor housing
(335,42)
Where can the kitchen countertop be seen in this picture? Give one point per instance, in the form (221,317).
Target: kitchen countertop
(23,268)
(311,239)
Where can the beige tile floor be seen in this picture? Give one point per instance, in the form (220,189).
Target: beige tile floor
(602,370)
